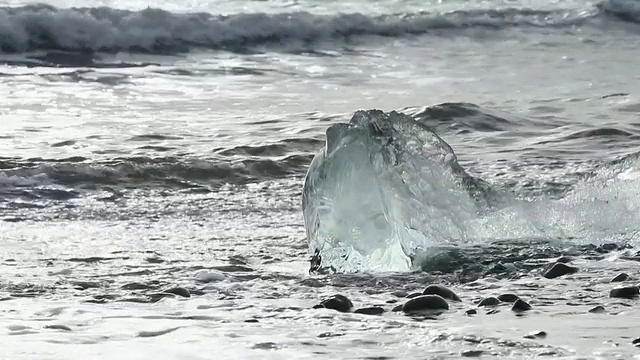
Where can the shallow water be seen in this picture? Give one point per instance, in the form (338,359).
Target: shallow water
(137,156)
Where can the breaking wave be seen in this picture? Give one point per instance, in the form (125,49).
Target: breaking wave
(104,29)
(21,177)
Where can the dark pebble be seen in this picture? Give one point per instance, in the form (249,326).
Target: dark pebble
(471,312)
(493,311)
(179,291)
(636,341)
(425,303)
(508,298)
(472,353)
(520,305)
(400,293)
(413,295)
(626,292)
(251,321)
(155,297)
(620,277)
(597,309)
(606,248)
(397,308)
(392,301)
(154,260)
(536,335)
(443,291)
(58,327)
(375,310)
(559,269)
(337,302)
(490,301)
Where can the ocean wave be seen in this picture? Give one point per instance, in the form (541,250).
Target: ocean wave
(30,178)
(104,29)
(471,117)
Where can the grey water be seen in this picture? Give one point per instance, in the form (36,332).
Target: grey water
(149,146)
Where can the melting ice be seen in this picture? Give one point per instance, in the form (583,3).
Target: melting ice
(383,188)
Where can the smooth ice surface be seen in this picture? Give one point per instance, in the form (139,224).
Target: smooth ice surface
(384,187)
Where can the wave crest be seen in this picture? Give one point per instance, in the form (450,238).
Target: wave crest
(104,29)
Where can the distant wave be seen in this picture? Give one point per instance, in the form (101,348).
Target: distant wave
(43,27)
(20,177)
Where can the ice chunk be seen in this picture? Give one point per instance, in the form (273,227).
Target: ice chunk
(383,189)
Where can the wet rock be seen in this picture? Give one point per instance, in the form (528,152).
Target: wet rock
(425,303)
(441,290)
(155,297)
(179,291)
(58,327)
(536,335)
(400,293)
(251,321)
(493,311)
(397,308)
(520,305)
(375,310)
(597,309)
(154,260)
(627,292)
(559,269)
(472,353)
(392,301)
(471,312)
(337,302)
(413,295)
(606,248)
(620,277)
(508,298)
(490,301)
(636,342)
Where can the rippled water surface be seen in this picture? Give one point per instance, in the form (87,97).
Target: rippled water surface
(152,150)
